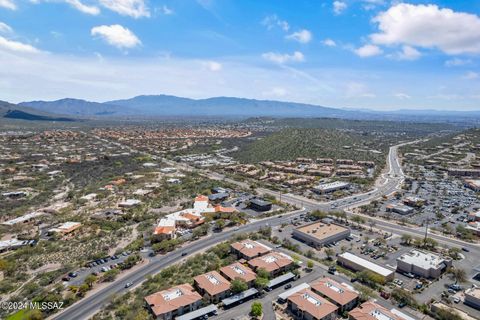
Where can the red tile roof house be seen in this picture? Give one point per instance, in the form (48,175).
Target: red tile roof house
(237,270)
(305,304)
(249,249)
(371,311)
(173,302)
(213,286)
(274,263)
(339,294)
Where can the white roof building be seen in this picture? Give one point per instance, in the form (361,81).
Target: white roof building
(359,264)
(24,218)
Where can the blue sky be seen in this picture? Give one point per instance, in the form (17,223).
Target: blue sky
(376,54)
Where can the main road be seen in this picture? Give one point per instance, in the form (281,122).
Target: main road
(387,184)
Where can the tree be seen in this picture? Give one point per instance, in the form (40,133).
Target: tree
(262,273)
(330,253)
(256,309)
(402,295)
(318,215)
(406,239)
(358,219)
(309,264)
(261,283)
(110,275)
(370,278)
(90,280)
(454,253)
(458,274)
(239,285)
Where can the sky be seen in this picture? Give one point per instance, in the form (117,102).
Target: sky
(375,54)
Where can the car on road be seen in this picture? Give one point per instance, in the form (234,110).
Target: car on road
(184,253)
(332,270)
(465,249)
(128,285)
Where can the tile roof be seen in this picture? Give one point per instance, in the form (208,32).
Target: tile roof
(212,282)
(172,299)
(238,270)
(311,303)
(250,248)
(335,291)
(372,311)
(272,261)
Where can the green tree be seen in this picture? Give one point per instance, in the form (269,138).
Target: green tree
(330,253)
(262,273)
(110,275)
(406,239)
(239,285)
(310,264)
(256,309)
(90,280)
(459,275)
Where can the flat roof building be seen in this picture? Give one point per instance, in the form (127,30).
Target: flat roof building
(372,311)
(260,205)
(357,263)
(426,265)
(399,208)
(331,186)
(472,297)
(306,304)
(173,302)
(472,184)
(213,285)
(23,219)
(249,249)
(339,294)
(273,262)
(318,234)
(66,228)
(239,271)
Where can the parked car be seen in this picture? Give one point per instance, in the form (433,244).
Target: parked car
(66,278)
(72,274)
(287,286)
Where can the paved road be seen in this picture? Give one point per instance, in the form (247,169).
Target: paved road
(388,184)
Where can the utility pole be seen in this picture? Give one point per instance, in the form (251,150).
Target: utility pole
(426,231)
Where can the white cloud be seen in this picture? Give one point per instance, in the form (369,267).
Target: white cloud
(16,46)
(297,56)
(329,43)
(116,35)
(274,21)
(339,7)
(409,53)
(457,62)
(213,66)
(402,96)
(358,90)
(8,4)
(428,26)
(132,8)
(302,36)
(368,50)
(83,7)
(470,75)
(166,10)
(275,92)
(5,28)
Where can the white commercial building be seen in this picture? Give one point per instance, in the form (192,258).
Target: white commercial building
(472,297)
(330,187)
(426,265)
(357,263)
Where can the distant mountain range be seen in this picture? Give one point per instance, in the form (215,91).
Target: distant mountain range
(172,106)
(12,111)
